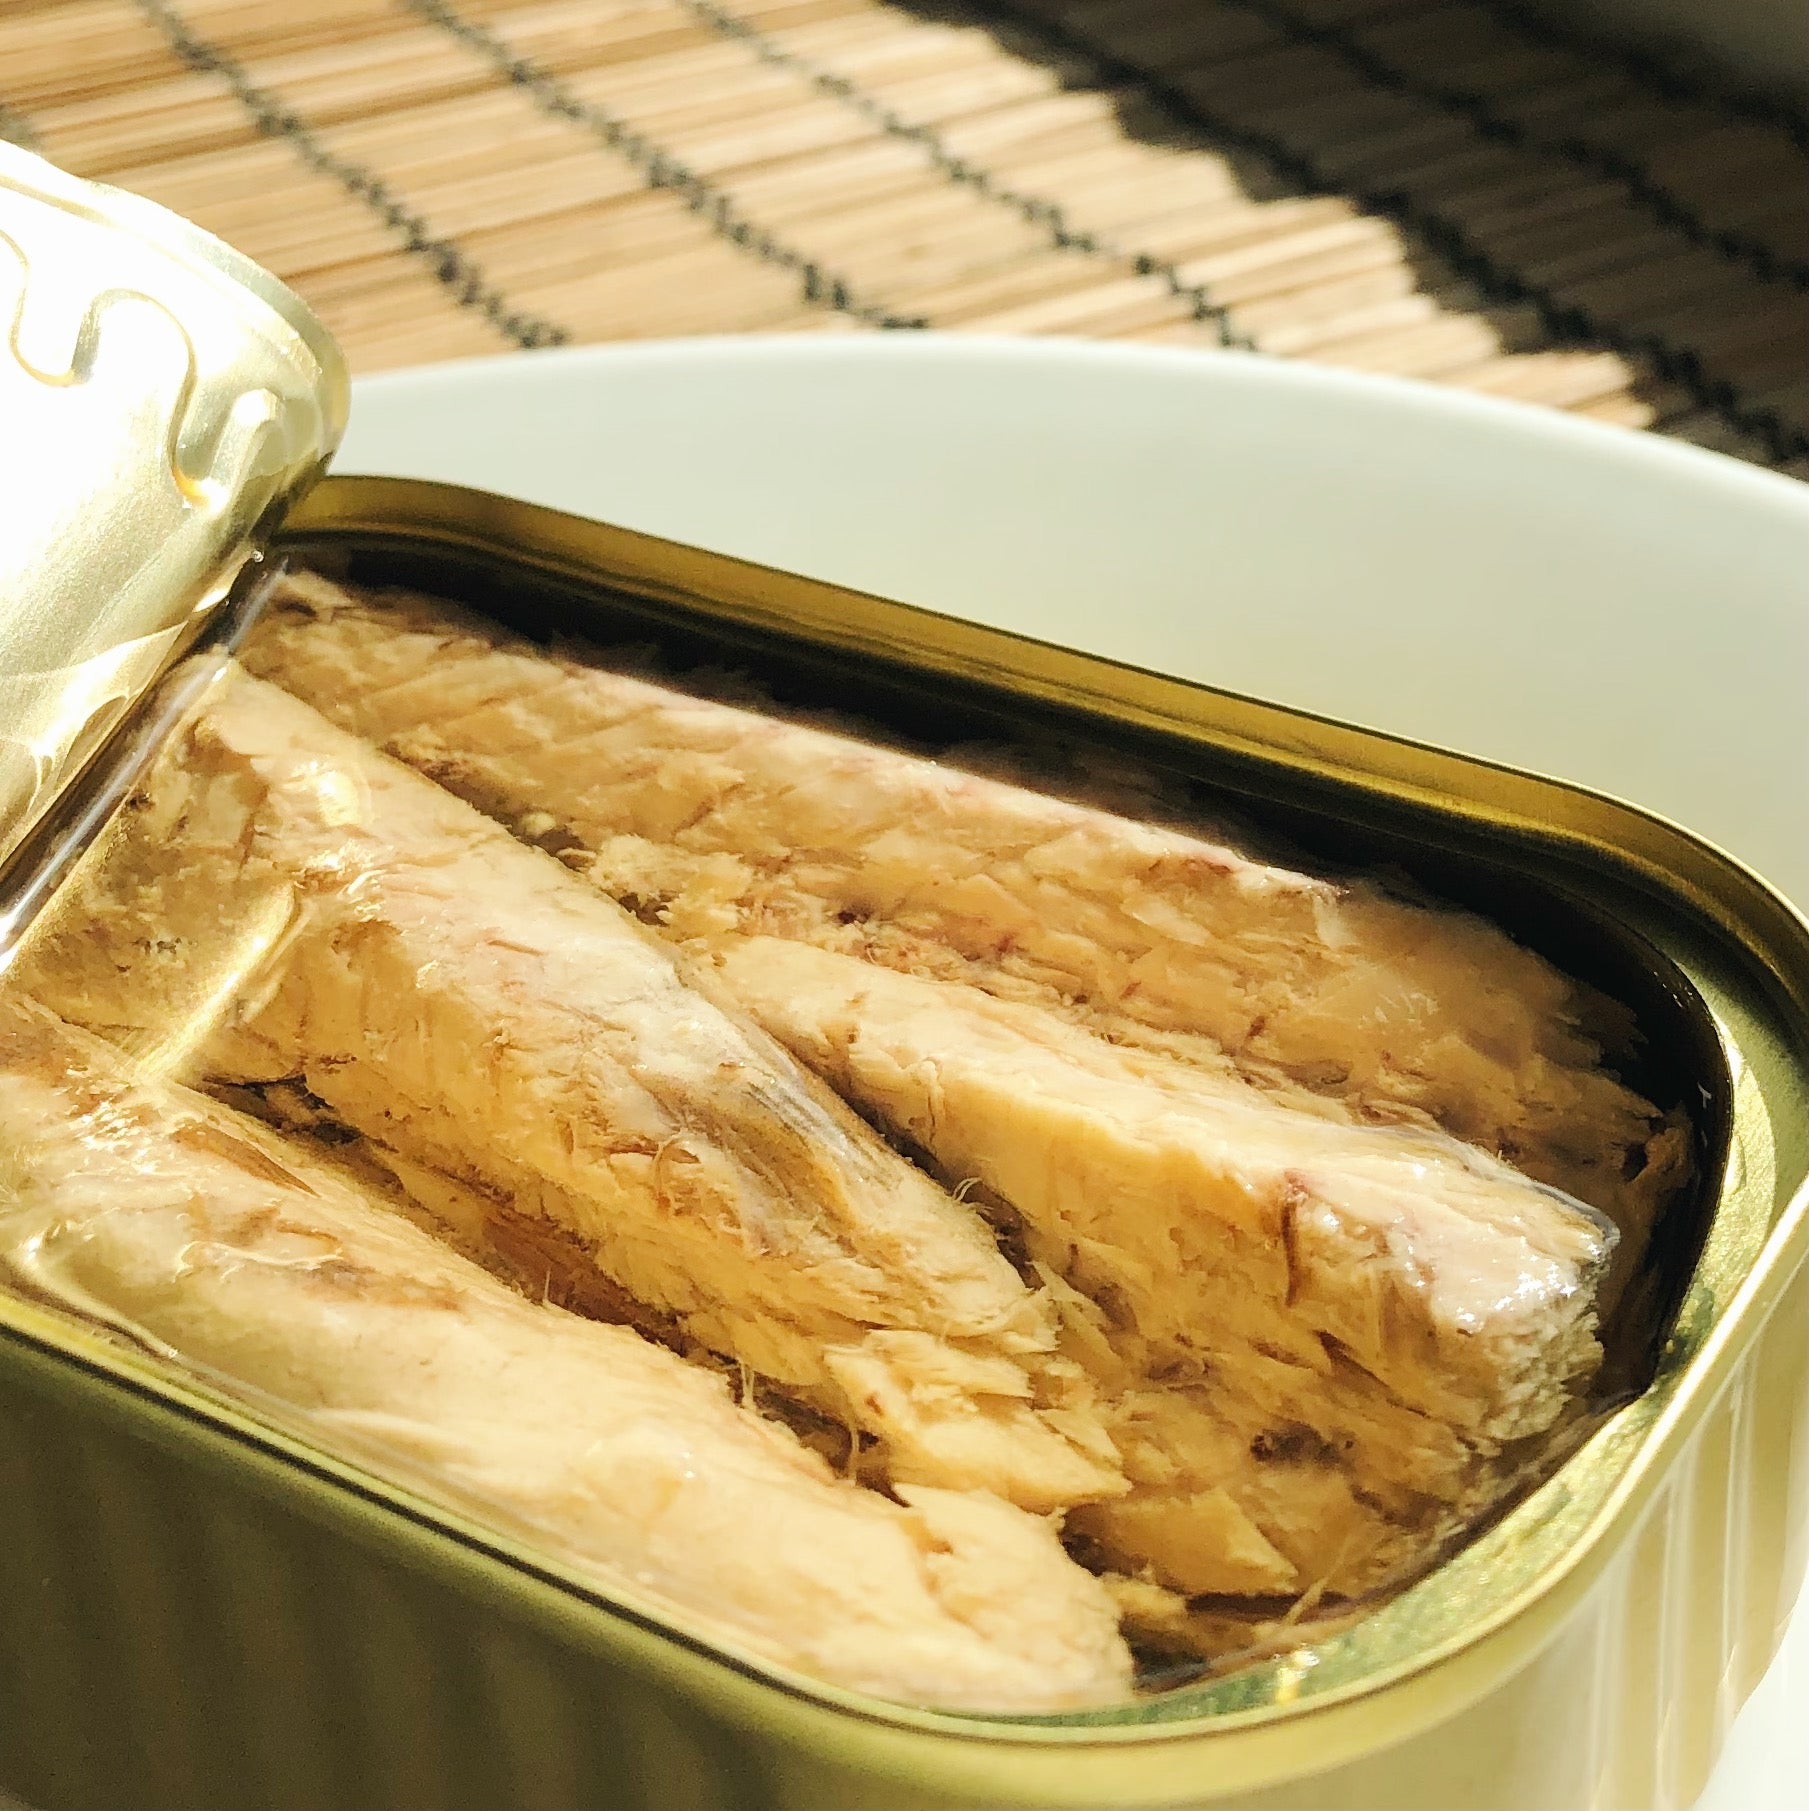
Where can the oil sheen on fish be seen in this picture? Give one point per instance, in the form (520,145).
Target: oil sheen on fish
(477,1008)
(1296,1407)
(708,817)
(1200,1491)
(1384,1298)
(155,1209)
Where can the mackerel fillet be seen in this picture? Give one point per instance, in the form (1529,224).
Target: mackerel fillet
(331,920)
(706,817)
(147,1206)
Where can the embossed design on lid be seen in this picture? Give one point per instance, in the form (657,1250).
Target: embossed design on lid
(162,401)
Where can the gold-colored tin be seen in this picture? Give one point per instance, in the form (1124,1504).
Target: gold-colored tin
(198,1606)
(372,1648)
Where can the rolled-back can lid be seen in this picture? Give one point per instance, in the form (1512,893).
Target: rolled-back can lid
(162,402)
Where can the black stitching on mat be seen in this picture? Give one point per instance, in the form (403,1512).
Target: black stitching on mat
(1656,73)
(1036,210)
(452,267)
(660,169)
(1567,323)
(1503,129)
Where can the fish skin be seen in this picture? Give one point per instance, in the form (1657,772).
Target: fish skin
(1395,1306)
(473,1005)
(258,1261)
(711,817)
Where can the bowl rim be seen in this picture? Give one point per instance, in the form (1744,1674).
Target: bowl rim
(1430,405)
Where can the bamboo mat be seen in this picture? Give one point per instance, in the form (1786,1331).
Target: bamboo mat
(1444,189)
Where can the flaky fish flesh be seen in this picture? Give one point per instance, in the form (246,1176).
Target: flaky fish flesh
(1390,1303)
(154,1209)
(708,817)
(472,1005)
(1280,1313)
(1203,1473)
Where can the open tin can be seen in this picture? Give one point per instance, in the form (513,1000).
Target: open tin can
(206,1605)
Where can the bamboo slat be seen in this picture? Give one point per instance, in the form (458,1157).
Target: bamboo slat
(1445,189)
